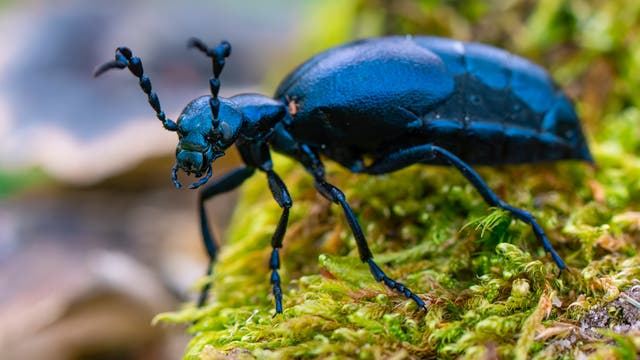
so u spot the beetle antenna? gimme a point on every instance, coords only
(217, 55)
(125, 59)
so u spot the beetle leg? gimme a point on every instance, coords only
(494, 200)
(334, 195)
(415, 154)
(224, 184)
(282, 197)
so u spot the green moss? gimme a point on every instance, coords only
(12, 182)
(490, 288)
(483, 274)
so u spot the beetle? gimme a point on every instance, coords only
(374, 106)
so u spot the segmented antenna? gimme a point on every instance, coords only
(125, 59)
(217, 55)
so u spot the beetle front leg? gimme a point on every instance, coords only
(336, 196)
(282, 197)
(224, 184)
(416, 154)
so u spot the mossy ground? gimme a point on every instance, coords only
(490, 288)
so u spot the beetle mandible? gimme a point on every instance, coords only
(394, 101)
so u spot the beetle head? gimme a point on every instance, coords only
(204, 137)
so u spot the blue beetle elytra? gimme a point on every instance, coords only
(374, 106)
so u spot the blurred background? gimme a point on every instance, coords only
(94, 238)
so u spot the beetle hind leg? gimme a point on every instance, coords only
(494, 200)
(380, 276)
(334, 195)
(417, 154)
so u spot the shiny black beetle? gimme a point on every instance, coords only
(394, 101)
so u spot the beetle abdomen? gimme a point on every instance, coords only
(504, 109)
(349, 95)
(483, 104)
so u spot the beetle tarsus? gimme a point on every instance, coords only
(277, 290)
(380, 276)
(274, 265)
(204, 294)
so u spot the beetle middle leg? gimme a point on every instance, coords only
(224, 184)
(417, 154)
(314, 166)
(334, 195)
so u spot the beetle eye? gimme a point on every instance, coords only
(569, 134)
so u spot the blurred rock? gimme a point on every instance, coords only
(81, 268)
(67, 304)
